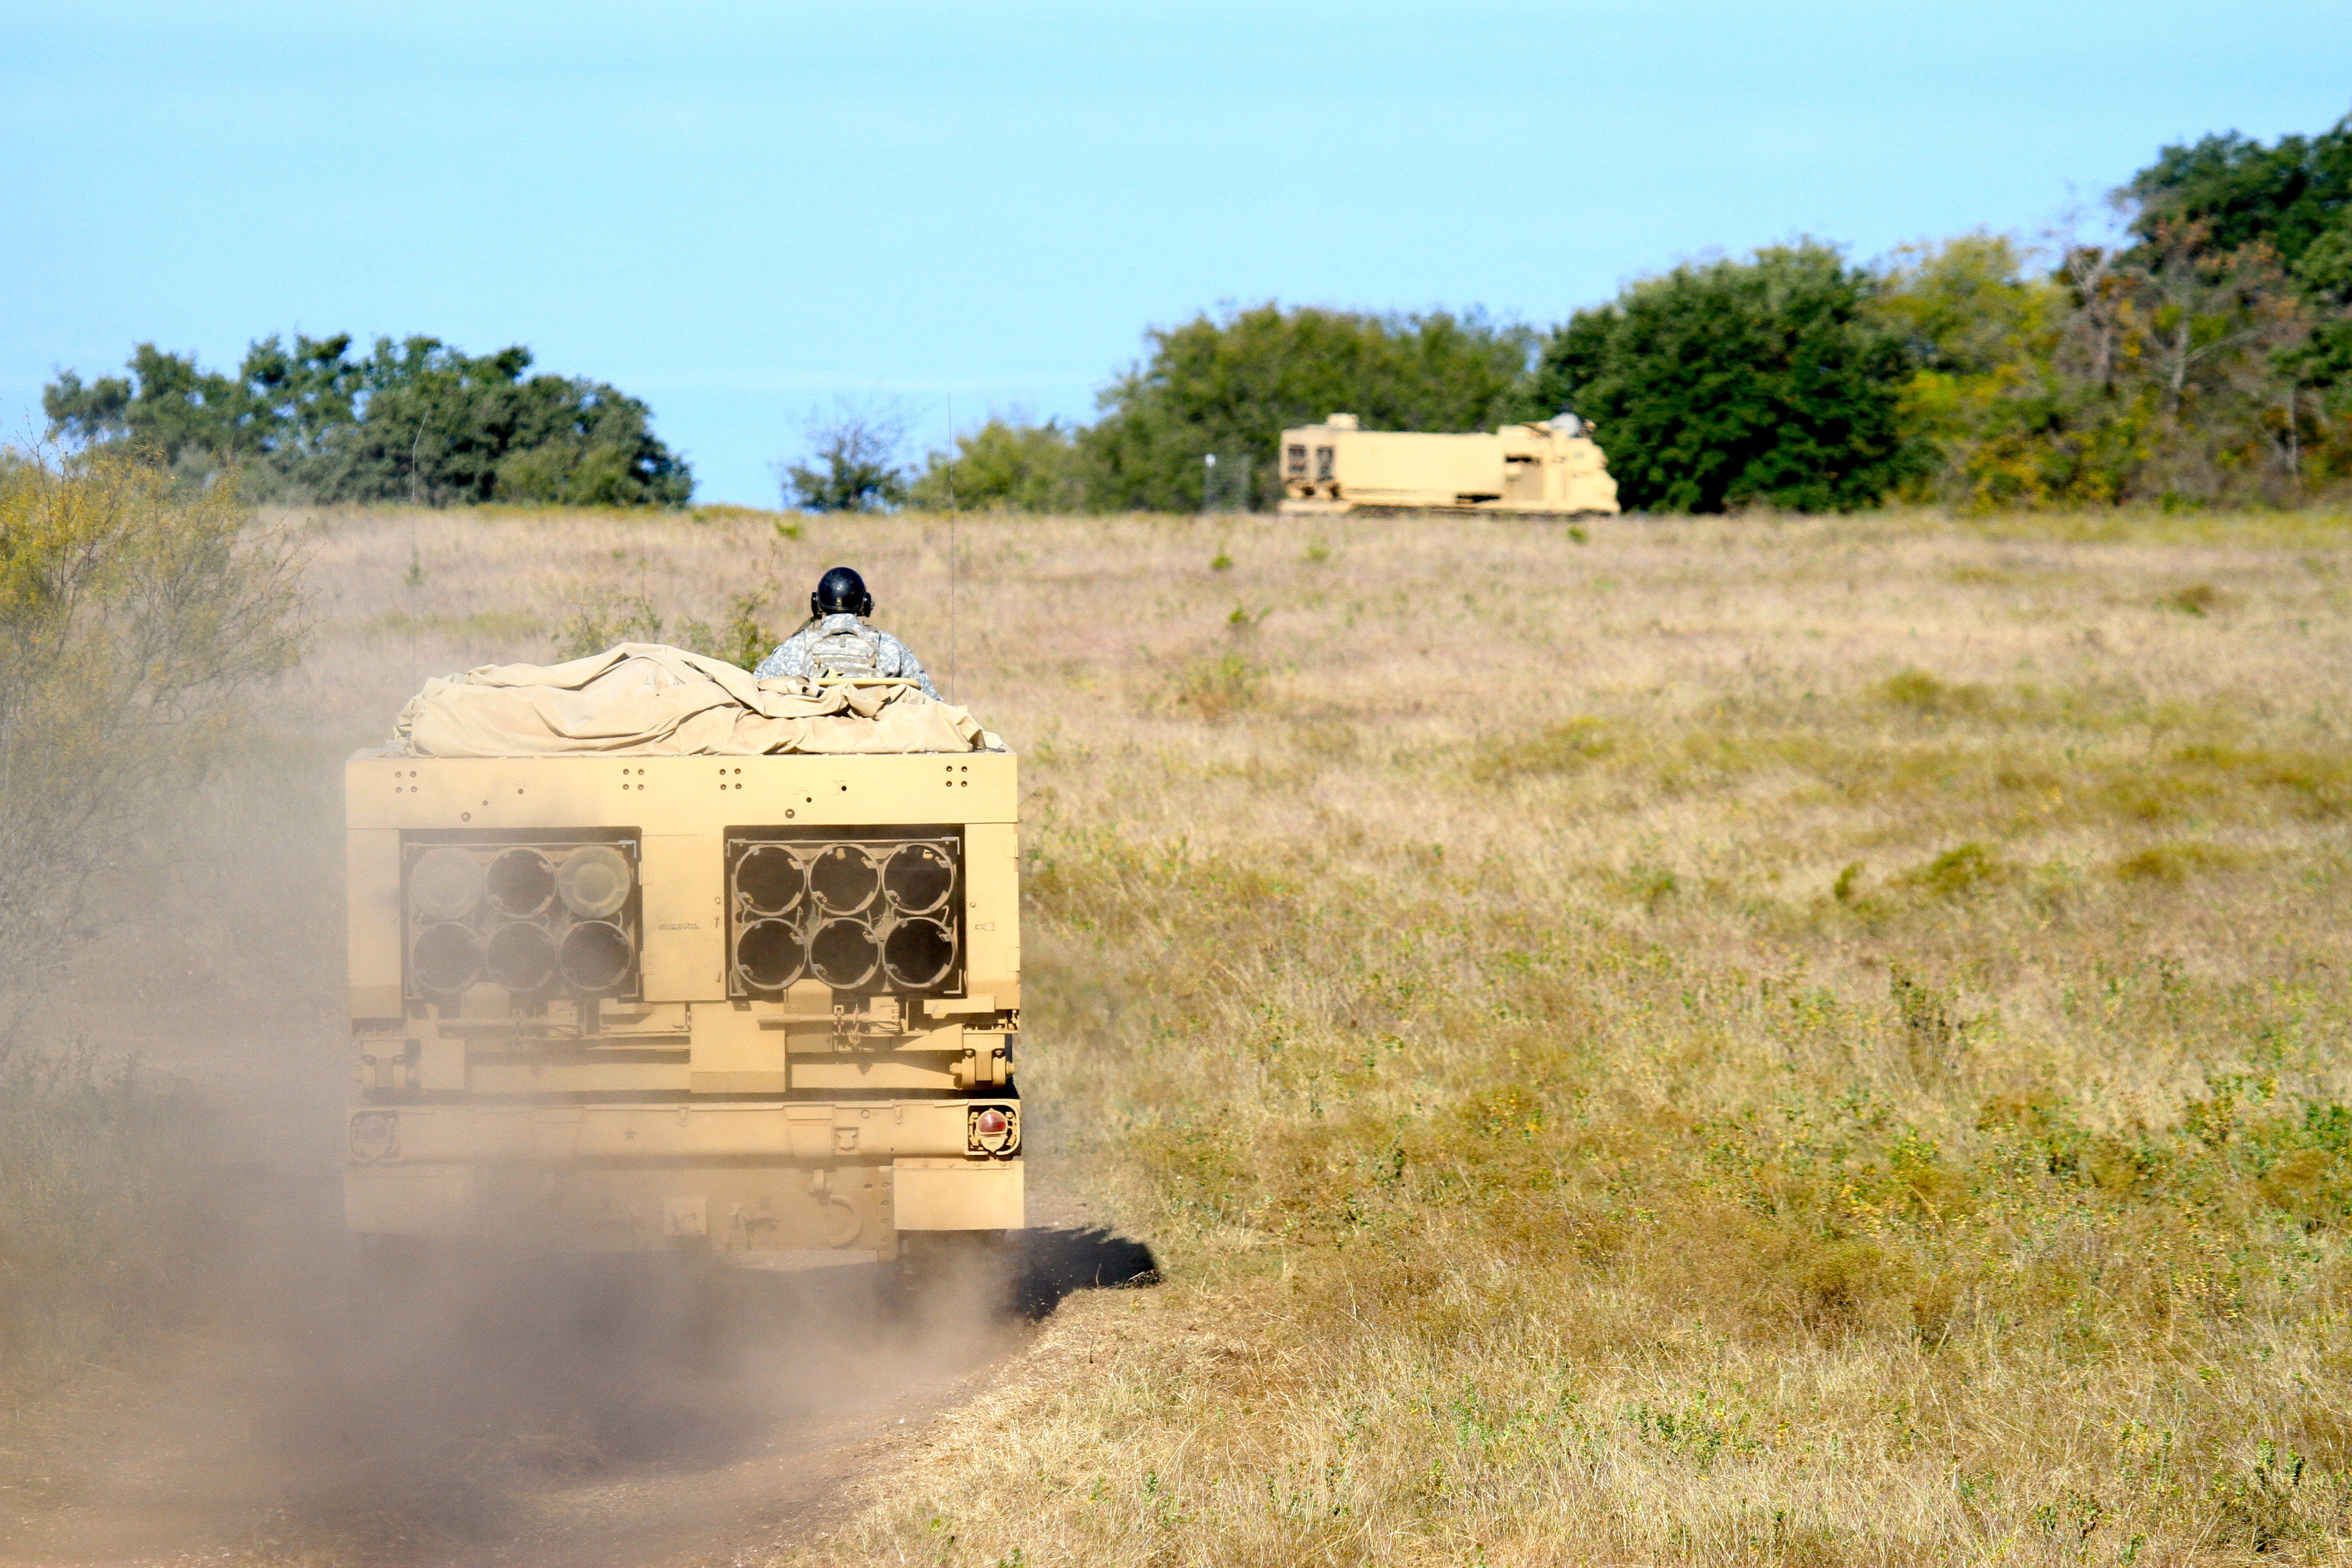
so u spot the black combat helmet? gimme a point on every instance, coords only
(841, 591)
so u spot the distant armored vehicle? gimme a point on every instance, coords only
(1549, 469)
(758, 1006)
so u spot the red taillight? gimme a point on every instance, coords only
(375, 1134)
(992, 1130)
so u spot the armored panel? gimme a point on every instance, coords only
(541, 915)
(867, 911)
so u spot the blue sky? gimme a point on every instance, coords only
(740, 213)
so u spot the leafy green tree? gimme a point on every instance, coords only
(1768, 380)
(440, 425)
(2325, 272)
(1962, 308)
(2288, 193)
(2294, 196)
(1984, 393)
(172, 412)
(2149, 374)
(1005, 467)
(414, 421)
(856, 461)
(1233, 385)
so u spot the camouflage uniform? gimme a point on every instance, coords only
(844, 646)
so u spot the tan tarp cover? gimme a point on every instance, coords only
(646, 699)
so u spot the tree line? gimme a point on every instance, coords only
(2205, 358)
(414, 421)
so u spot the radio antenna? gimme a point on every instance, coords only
(416, 580)
(951, 543)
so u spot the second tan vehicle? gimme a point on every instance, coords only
(1552, 470)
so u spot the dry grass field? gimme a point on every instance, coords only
(1752, 1040)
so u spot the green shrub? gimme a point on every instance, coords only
(134, 614)
(2176, 863)
(1963, 869)
(1921, 692)
(1557, 749)
(1215, 686)
(1005, 466)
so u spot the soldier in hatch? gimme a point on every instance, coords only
(837, 642)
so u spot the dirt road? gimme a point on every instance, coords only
(192, 1494)
(231, 1463)
(506, 1416)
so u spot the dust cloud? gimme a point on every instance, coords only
(314, 1403)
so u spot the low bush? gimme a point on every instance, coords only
(111, 1208)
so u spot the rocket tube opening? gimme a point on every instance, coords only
(845, 880)
(770, 954)
(444, 883)
(520, 881)
(770, 879)
(844, 954)
(595, 956)
(917, 954)
(593, 883)
(918, 877)
(519, 956)
(444, 958)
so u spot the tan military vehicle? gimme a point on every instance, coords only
(758, 1006)
(1549, 469)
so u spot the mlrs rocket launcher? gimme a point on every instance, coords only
(761, 1007)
